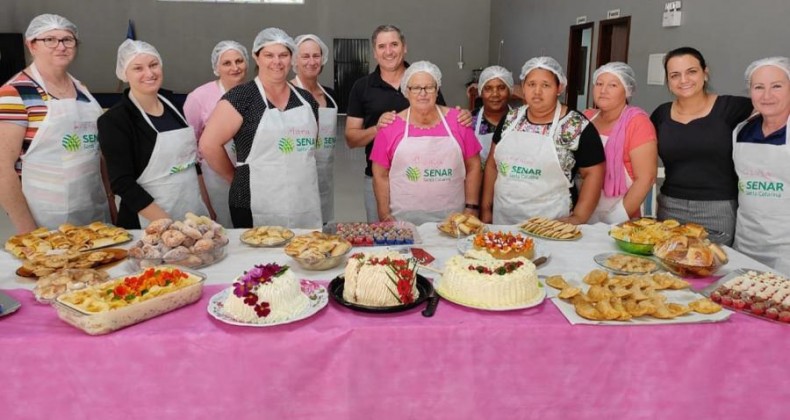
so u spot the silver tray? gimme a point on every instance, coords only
(8, 305)
(731, 275)
(331, 228)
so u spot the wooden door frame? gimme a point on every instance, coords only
(574, 39)
(605, 39)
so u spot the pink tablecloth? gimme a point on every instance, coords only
(341, 364)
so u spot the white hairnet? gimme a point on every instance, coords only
(49, 22)
(494, 72)
(223, 46)
(545, 63)
(271, 36)
(623, 71)
(418, 67)
(783, 63)
(130, 49)
(310, 37)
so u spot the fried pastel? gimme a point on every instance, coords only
(596, 277)
(569, 292)
(704, 306)
(588, 311)
(557, 282)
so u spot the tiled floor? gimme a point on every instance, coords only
(349, 166)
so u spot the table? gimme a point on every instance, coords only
(461, 363)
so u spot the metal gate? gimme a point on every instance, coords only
(352, 58)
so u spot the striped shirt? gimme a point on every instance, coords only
(23, 103)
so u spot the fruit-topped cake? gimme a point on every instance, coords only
(505, 245)
(266, 293)
(490, 283)
(380, 279)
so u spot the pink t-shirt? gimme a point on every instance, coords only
(199, 105)
(389, 137)
(638, 131)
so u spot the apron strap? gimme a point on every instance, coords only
(441, 117)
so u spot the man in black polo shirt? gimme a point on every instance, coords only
(375, 98)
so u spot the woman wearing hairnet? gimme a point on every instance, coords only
(48, 127)
(493, 86)
(311, 55)
(150, 149)
(695, 145)
(629, 140)
(274, 126)
(229, 60)
(761, 149)
(537, 150)
(425, 164)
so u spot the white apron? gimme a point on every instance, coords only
(610, 210)
(484, 139)
(530, 181)
(283, 176)
(427, 177)
(762, 228)
(170, 177)
(217, 187)
(61, 171)
(325, 155)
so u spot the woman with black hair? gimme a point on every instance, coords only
(695, 145)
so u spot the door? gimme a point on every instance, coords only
(613, 41)
(12, 56)
(351, 62)
(579, 57)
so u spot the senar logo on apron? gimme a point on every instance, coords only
(283, 174)
(61, 178)
(173, 187)
(764, 189)
(325, 155)
(531, 181)
(427, 176)
(763, 216)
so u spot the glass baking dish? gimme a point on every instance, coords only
(97, 323)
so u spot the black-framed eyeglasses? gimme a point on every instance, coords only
(52, 42)
(427, 89)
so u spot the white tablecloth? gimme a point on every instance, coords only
(565, 257)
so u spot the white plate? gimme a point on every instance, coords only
(683, 296)
(465, 244)
(600, 259)
(314, 291)
(542, 287)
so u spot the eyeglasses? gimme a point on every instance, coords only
(52, 42)
(427, 89)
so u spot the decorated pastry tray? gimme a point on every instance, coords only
(681, 297)
(53, 261)
(437, 284)
(376, 234)
(761, 294)
(553, 230)
(315, 292)
(67, 237)
(424, 289)
(98, 316)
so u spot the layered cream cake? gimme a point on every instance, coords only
(490, 283)
(266, 293)
(380, 279)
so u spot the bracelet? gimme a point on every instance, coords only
(471, 206)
